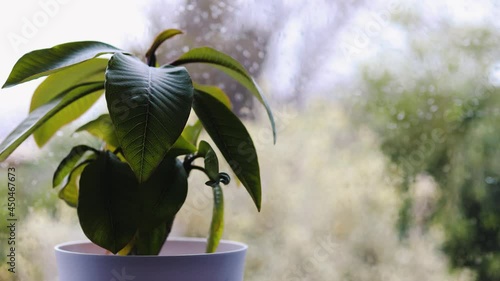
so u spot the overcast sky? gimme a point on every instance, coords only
(33, 24)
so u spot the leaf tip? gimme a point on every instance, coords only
(8, 83)
(257, 201)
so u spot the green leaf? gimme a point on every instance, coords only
(46, 61)
(217, 224)
(231, 67)
(66, 115)
(192, 132)
(107, 202)
(186, 143)
(69, 192)
(162, 37)
(215, 92)
(181, 147)
(69, 162)
(88, 71)
(163, 194)
(233, 141)
(149, 107)
(211, 161)
(103, 129)
(150, 242)
(43, 113)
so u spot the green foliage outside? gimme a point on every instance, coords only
(443, 119)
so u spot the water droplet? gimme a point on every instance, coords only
(446, 168)
(238, 97)
(392, 126)
(401, 115)
(490, 180)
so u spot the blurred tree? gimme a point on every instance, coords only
(437, 113)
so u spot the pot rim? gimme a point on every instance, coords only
(241, 247)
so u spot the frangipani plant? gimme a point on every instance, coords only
(128, 191)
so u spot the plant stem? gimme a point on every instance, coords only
(194, 167)
(152, 60)
(217, 224)
(188, 163)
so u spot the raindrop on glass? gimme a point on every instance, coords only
(401, 115)
(490, 180)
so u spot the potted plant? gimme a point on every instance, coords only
(128, 191)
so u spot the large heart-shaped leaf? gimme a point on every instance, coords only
(46, 61)
(149, 108)
(88, 71)
(151, 241)
(107, 202)
(103, 129)
(163, 194)
(69, 162)
(232, 139)
(43, 113)
(231, 67)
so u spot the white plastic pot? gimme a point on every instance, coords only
(181, 259)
